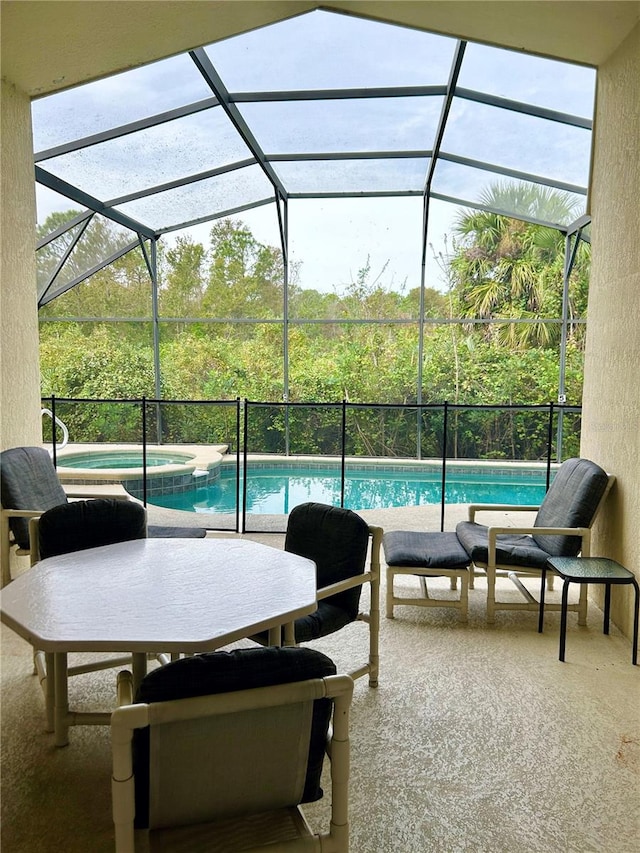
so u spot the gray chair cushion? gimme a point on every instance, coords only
(85, 524)
(336, 540)
(424, 550)
(571, 501)
(322, 622)
(511, 549)
(226, 672)
(28, 480)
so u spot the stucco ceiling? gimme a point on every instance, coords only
(53, 45)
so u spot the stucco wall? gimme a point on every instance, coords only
(19, 366)
(611, 401)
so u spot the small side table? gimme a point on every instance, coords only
(587, 570)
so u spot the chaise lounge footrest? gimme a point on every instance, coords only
(434, 554)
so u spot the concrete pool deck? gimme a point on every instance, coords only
(425, 517)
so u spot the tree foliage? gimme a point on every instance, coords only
(221, 337)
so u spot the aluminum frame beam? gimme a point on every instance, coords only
(85, 200)
(214, 81)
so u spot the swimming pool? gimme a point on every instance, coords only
(277, 489)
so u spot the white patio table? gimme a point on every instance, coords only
(151, 596)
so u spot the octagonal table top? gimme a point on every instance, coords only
(158, 595)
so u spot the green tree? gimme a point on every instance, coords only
(511, 269)
(246, 278)
(182, 279)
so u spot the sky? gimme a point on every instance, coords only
(331, 238)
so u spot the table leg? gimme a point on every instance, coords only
(61, 702)
(563, 619)
(275, 636)
(49, 690)
(290, 634)
(139, 666)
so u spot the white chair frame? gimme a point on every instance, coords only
(129, 717)
(492, 569)
(372, 618)
(461, 603)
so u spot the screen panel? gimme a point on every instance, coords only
(153, 156)
(531, 79)
(353, 176)
(361, 124)
(322, 50)
(362, 244)
(521, 142)
(206, 197)
(108, 103)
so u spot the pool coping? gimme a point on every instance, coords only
(204, 458)
(395, 464)
(207, 458)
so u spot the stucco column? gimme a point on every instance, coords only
(19, 361)
(611, 400)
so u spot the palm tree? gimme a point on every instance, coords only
(513, 269)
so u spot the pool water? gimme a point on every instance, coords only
(120, 459)
(276, 491)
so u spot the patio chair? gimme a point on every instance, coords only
(76, 526)
(337, 540)
(562, 528)
(223, 748)
(30, 486)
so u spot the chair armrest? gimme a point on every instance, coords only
(474, 508)
(6, 541)
(22, 513)
(493, 532)
(341, 586)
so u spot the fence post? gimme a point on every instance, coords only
(445, 428)
(144, 450)
(238, 464)
(244, 466)
(549, 442)
(53, 430)
(343, 461)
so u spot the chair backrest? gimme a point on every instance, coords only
(336, 540)
(573, 500)
(28, 480)
(190, 768)
(78, 525)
